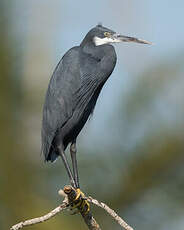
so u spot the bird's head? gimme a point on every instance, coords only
(100, 35)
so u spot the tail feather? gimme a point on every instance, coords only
(52, 156)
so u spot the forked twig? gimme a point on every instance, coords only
(41, 218)
(70, 194)
(111, 212)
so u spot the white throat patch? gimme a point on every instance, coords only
(101, 41)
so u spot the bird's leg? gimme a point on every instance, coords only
(80, 203)
(73, 151)
(66, 164)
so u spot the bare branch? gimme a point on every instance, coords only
(70, 195)
(91, 222)
(111, 212)
(40, 219)
(88, 218)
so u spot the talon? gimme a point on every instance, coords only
(85, 207)
(80, 203)
(79, 193)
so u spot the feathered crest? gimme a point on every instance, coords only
(99, 24)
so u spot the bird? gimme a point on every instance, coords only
(73, 91)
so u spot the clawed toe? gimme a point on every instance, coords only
(80, 203)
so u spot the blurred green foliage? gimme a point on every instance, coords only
(146, 177)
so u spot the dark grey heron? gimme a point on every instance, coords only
(73, 91)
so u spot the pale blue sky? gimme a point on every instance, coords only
(63, 24)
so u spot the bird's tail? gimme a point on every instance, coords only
(52, 156)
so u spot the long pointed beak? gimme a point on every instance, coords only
(122, 38)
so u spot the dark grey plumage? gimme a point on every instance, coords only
(73, 91)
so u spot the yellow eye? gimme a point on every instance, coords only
(107, 34)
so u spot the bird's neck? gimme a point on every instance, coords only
(95, 51)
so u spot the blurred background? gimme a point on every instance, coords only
(131, 152)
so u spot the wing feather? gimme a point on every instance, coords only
(59, 102)
(72, 92)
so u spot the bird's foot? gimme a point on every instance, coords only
(80, 203)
